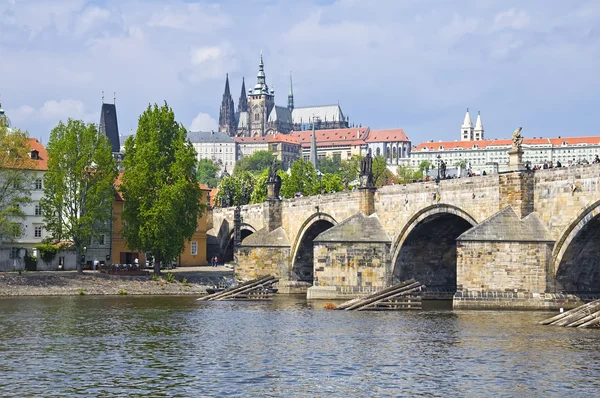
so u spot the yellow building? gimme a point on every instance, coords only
(193, 254)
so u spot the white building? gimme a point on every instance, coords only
(393, 145)
(216, 146)
(32, 227)
(486, 154)
(470, 133)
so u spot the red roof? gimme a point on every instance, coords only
(333, 137)
(39, 163)
(447, 145)
(392, 135)
(270, 138)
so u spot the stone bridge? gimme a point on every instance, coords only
(520, 239)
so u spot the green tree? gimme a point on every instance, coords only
(255, 163)
(206, 172)
(423, 167)
(162, 197)
(330, 165)
(240, 185)
(15, 180)
(259, 194)
(380, 171)
(331, 183)
(461, 163)
(303, 179)
(78, 186)
(406, 175)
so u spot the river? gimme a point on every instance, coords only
(179, 347)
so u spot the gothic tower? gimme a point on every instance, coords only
(227, 112)
(243, 102)
(291, 96)
(478, 132)
(466, 130)
(260, 103)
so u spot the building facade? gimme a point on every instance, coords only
(394, 145)
(285, 148)
(257, 114)
(215, 145)
(493, 154)
(340, 143)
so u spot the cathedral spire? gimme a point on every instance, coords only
(227, 111)
(243, 102)
(478, 132)
(261, 81)
(291, 95)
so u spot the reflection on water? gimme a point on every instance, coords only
(176, 346)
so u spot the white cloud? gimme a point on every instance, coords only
(210, 62)
(459, 27)
(53, 111)
(90, 18)
(511, 19)
(190, 18)
(203, 122)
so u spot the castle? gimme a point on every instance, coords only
(257, 115)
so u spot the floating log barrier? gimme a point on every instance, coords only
(256, 289)
(402, 296)
(584, 316)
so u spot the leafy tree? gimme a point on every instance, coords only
(330, 165)
(406, 175)
(206, 172)
(240, 185)
(303, 179)
(259, 194)
(162, 197)
(78, 186)
(380, 171)
(423, 166)
(255, 163)
(331, 183)
(15, 180)
(461, 163)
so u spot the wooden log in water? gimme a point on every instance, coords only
(585, 319)
(352, 302)
(565, 314)
(248, 289)
(592, 323)
(584, 311)
(404, 289)
(237, 288)
(385, 299)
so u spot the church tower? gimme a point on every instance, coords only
(466, 133)
(243, 102)
(291, 96)
(260, 103)
(478, 132)
(227, 112)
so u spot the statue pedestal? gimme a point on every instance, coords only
(515, 160)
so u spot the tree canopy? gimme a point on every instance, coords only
(15, 180)
(79, 184)
(255, 163)
(206, 172)
(162, 197)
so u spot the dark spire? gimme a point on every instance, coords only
(227, 111)
(243, 102)
(109, 125)
(291, 95)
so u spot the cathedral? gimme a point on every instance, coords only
(257, 115)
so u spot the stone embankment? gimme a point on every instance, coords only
(56, 283)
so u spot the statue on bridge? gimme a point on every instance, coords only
(517, 139)
(274, 180)
(366, 172)
(442, 170)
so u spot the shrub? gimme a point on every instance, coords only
(81, 292)
(170, 277)
(122, 292)
(47, 252)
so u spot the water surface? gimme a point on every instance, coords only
(176, 346)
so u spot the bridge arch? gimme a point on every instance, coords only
(302, 248)
(575, 265)
(227, 250)
(425, 248)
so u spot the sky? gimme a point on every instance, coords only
(411, 64)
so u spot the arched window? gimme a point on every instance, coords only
(394, 153)
(378, 152)
(257, 116)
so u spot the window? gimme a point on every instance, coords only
(37, 232)
(38, 210)
(101, 240)
(256, 116)
(16, 230)
(14, 252)
(38, 184)
(194, 247)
